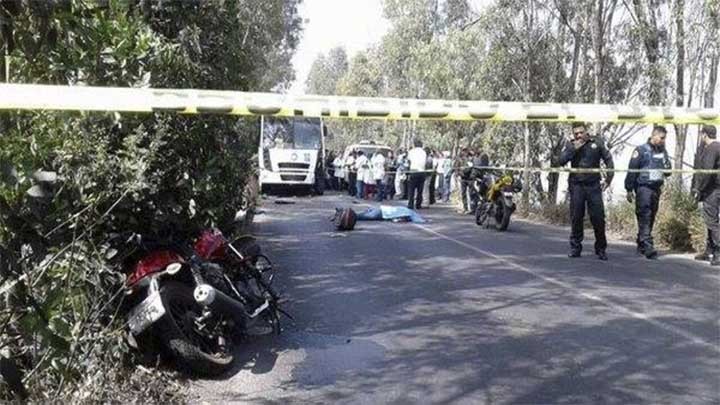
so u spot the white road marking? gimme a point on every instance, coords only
(619, 308)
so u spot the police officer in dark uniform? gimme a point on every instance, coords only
(586, 152)
(645, 187)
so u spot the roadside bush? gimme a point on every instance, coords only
(69, 179)
(621, 220)
(679, 225)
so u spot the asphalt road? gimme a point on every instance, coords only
(447, 312)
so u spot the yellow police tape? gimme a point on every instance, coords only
(146, 100)
(565, 170)
(601, 170)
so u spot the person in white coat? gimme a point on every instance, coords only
(378, 173)
(444, 169)
(362, 169)
(402, 165)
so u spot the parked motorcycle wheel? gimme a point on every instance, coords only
(480, 215)
(178, 333)
(502, 217)
(265, 267)
(271, 316)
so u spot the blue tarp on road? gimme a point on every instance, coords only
(390, 213)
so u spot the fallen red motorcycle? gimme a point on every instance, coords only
(198, 300)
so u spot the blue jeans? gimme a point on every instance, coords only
(380, 190)
(359, 189)
(446, 180)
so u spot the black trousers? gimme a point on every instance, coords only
(351, 184)
(464, 186)
(647, 201)
(588, 195)
(416, 182)
(431, 189)
(711, 210)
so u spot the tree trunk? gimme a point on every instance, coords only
(680, 130)
(526, 173)
(709, 101)
(529, 25)
(598, 36)
(554, 178)
(577, 47)
(651, 42)
(709, 96)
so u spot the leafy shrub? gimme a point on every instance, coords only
(620, 218)
(679, 225)
(60, 320)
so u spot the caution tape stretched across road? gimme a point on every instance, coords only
(186, 101)
(601, 170)
(566, 170)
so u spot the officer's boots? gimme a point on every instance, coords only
(705, 256)
(716, 258)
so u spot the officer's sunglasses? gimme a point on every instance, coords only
(578, 133)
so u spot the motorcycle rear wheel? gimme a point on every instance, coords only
(192, 352)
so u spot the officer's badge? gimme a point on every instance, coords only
(635, 155)
(594, 146)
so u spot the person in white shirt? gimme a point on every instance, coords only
(362, 167)
(378, 173)
(400, 176)
(416, 179)
(444, 170)
(339, 172)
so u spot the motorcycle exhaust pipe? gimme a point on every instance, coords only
(216, 300)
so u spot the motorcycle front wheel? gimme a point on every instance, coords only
(503, 216)
(480, 214)
(192, 351)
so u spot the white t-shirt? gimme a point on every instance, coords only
(338, 163)
(349, 166)
(418, 159)
(439, 162)
(447, 166)
(362, 167)
(378, 166)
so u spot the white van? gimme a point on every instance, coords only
(291, 152)
(369, 148)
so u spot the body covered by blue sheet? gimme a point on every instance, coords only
(390, 213)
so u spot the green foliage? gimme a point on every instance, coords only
(119, 172)
(326, 72)
(621, 221)
(679, 223)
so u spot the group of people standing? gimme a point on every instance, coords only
(422, 171)
(643, 186)
(361, 175)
